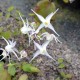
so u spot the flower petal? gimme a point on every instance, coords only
(48, 18)
(52, 28)
(15, 54)
(21, 18)
(49, 56)
(35, 55)
(37, 45)
(16, 50)
(56, 38)
(45, 44)
(40, 27)
(27, 22)
(39, 16)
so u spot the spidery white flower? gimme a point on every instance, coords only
(41, 50)
(26, 28)
(4, 54)
(50, 37)
(10, 48)
(45, 22)
(32, 35)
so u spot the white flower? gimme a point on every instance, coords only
(4, 54)
(23, 54)
(50, 37)
(32, 33)
(26, 28)
(45, 22)
(10, 48)
(42, 50)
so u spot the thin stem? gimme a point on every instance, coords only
(5, 40)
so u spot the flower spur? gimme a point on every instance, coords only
(10, 48)
(41, 50)
(27, 29)
(50, 37)
(45, 22)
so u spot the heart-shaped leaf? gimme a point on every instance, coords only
(44, 8)
(60, 60)
(11, 70)
(61, 66)
(29, 68)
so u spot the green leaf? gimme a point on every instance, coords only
(1, 66)
(6, 34)
(61, 66)
(63, 74)
(29, 68)
(31, 14)
(1, 14)
(44, 8)
(57, 78)
(8, 15)
(60, 60)
(1, 29)
(23, 77)
(66, 1)
(11, 70)
(68, 76)
(11, 8)
(16, 32)
(4, 75)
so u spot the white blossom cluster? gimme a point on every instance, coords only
(30, 30)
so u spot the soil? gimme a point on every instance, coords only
(67, 24)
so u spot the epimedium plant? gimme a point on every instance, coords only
(12, 69)
(32, 30)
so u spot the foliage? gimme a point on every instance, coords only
(61, 64)
(4, 75)
(29, 68)
(11, 8)
(23, 77)
(1, 66)
(60, 60)
(58, 78)
(11, 70)
(66, 1)
(6, 34)
(41, 6)
(66, 76)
